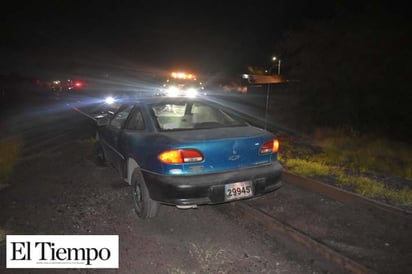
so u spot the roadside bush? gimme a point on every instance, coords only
(9, 152)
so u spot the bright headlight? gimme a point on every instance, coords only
(109, 100)
(192, 92)
(172, 91)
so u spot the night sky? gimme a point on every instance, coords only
(206, 36)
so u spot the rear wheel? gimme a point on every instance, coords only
(144, 206)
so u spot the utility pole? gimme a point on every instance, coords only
(279, 67)
(274, 58)
(267, 106)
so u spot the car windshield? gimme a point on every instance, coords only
(192, 115)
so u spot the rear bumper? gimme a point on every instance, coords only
(210, 188)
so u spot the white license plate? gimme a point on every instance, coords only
(238, 190)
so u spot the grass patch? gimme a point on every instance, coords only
(3, 234)
(9, 152)
(353, 161)
(90, 141)
(307, 168)
(373, 189)
(365, 153)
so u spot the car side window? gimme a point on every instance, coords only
(120, 117)
(135, 121)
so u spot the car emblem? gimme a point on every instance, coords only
(234, 157)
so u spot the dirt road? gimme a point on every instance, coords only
(56, 188)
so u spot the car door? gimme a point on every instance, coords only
(131, 135)
(112, 136)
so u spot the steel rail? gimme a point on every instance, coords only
(276, 226)
(341, 194)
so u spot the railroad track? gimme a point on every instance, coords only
(343, 195)
(351, 257)
(341, 251)
(344, 252)
(274, 226)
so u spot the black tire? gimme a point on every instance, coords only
(144, 206)
(100, 158)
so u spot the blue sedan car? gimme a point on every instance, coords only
(187, 152)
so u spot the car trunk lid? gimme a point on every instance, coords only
(223, 148)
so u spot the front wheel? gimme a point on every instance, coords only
(144, 206)
(100, 157)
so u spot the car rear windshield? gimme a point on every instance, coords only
(192, 115)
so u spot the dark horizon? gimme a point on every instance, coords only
(74, 37)
(211, 37)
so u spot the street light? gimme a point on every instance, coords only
(274, 58)
(267, 92)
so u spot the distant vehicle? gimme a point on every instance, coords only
(186, 152)
(74, 85)
(113, 100)
(119, 95)
(66, 86)
(182, 84)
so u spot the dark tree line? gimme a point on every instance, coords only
(353, 70)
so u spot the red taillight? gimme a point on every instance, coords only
(181, 156)
(271, 146)
(78, 84)
(191, 155)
